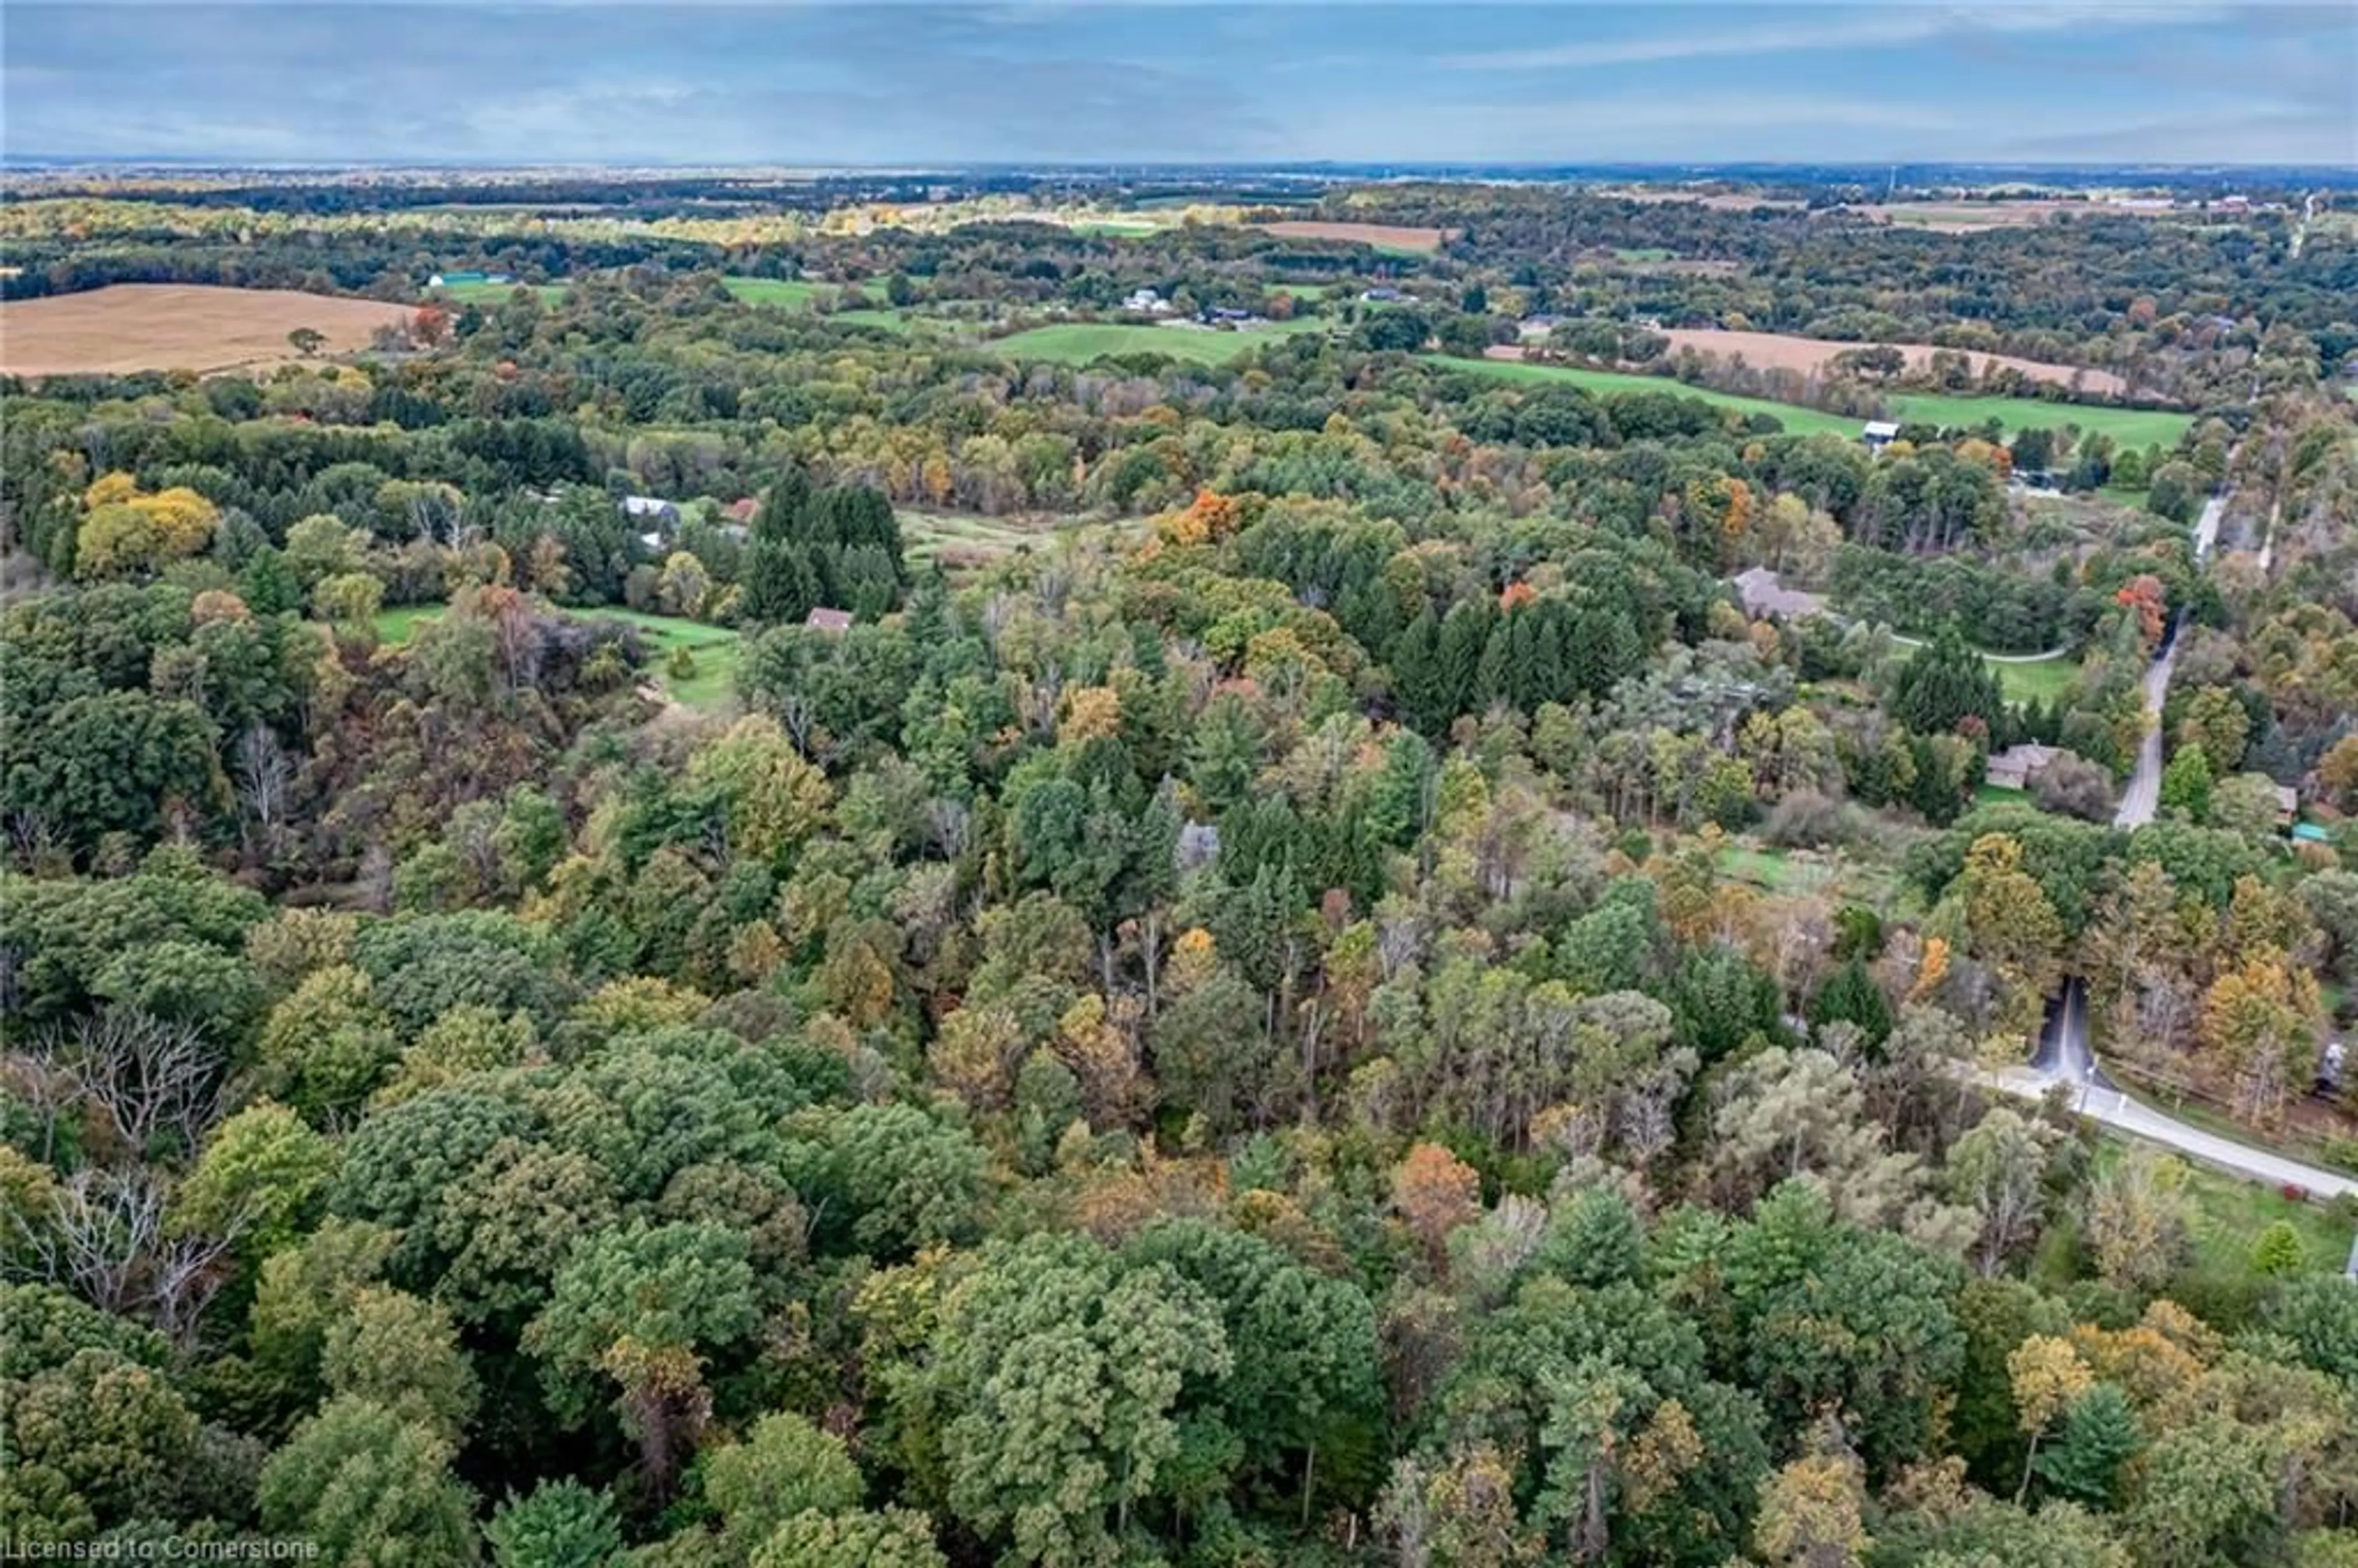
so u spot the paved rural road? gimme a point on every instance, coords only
(2142, 797)
(2064, 1058)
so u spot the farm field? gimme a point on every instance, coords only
(176, 326)
(800, 294)
(1782, 351)
(1397, 237)
(1801, 421)
(716, 649)
(1079, 343)
(499, 293)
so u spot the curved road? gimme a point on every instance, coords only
(2141, 796)
(2064, 1058)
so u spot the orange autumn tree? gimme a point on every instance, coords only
(1434, 1192)
(1211, 517)
(2143, 594)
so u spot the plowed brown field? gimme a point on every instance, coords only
(174, 326)
(1778, 351)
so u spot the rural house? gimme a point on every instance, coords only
(2015, 767)
(830, 622)
(1763, 595)
(1879, 434)
(651, 509)
(1148, 302)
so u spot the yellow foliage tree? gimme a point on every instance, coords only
(1091, 713)
(2047, 1378)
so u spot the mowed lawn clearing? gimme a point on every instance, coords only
(1080, 342)
(715, 649)
(2039, 680)
(178, 326)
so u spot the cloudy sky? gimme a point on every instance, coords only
(559, 81)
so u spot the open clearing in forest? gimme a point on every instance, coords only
(1079, 342)
(715, 649)
(1400, 237)
(1782, 351)
(177, 326)
(965, 541)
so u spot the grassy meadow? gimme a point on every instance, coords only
(1080, 342)
(716, 649)
(2126, 427)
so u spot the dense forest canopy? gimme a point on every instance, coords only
(671, 926)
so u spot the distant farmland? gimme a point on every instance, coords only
(177, 326)
(1079, 343)
(482, 291)
(1780, 351)
(1383, 236)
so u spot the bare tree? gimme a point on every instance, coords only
(264, 775)
(150, 1079)
(107, 1238)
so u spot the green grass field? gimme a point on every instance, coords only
(1801, 421)
(2129, 426)
(1079, 342)
(2042, 681)
(716, 649)
(793, 293)
(500, 292)
(1119, 228)
(885, 316)
(2126, 427)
